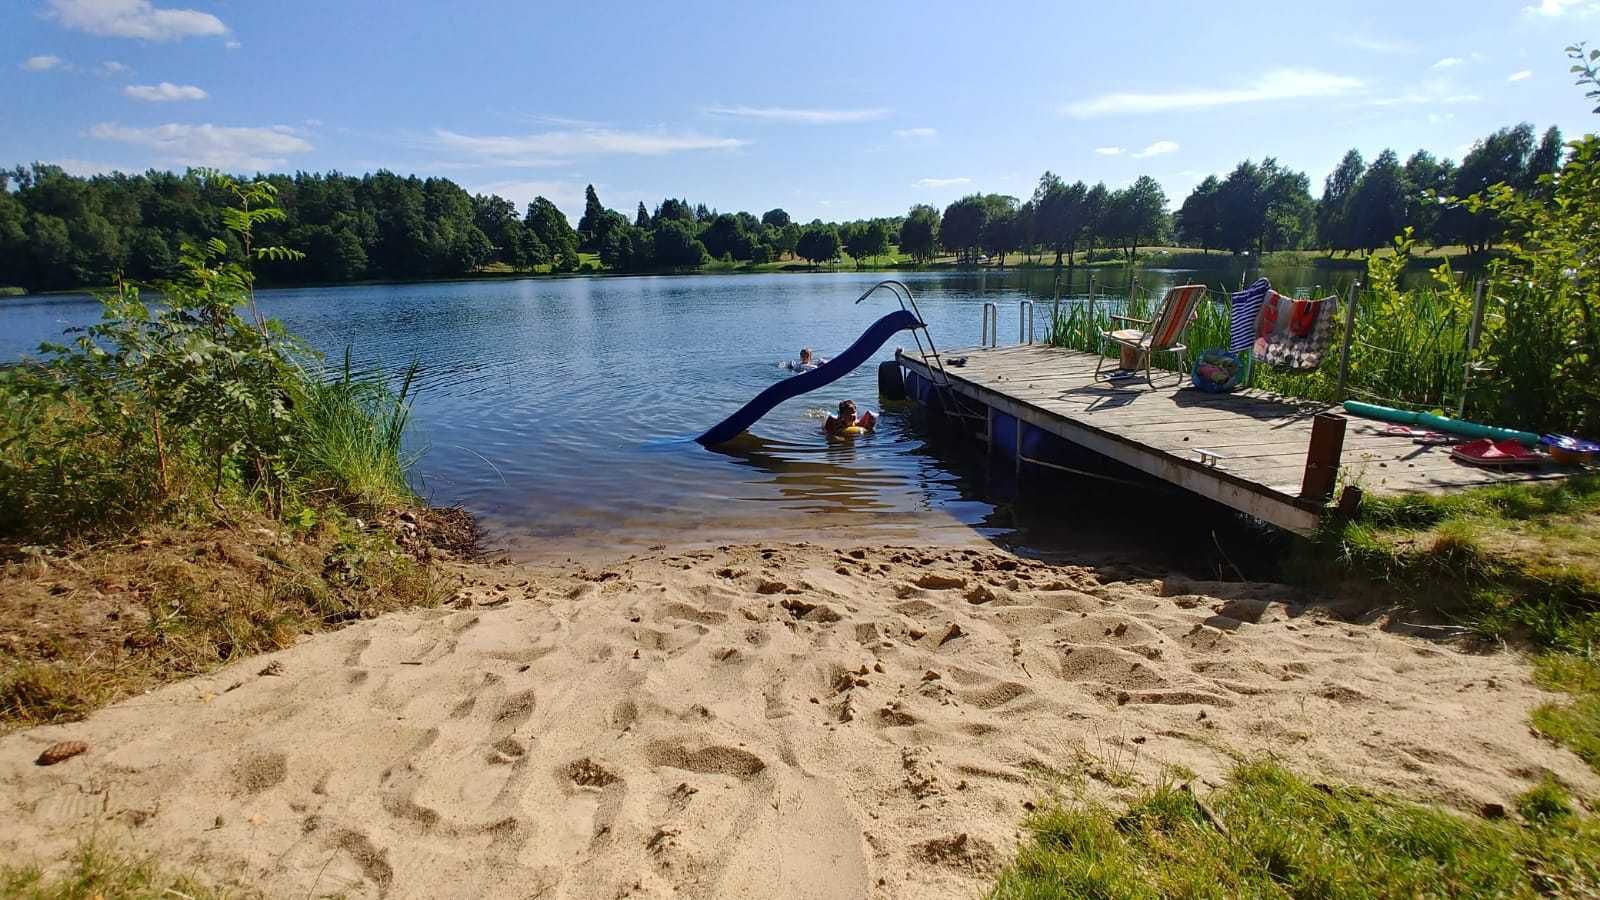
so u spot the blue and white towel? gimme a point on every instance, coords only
(1246, 306)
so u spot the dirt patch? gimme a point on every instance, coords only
(86, 624)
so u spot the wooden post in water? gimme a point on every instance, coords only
(1349, 335)
(1473, 334)
(1322, 457)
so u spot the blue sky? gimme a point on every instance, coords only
(832, 110)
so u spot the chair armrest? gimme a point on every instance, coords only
(1131, 319)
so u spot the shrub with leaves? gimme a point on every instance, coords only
(199, 396)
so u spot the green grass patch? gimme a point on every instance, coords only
(1268, 833)
(95, 872)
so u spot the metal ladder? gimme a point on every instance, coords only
(953, 402)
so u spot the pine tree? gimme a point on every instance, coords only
(590, 225)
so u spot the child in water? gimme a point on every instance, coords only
(847, 417)
(806, 363)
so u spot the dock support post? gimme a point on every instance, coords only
(1473, 334)
(1322, 457)
(1349, 336)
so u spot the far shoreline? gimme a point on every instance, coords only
(1174, 257)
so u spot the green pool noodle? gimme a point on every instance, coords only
(1439, 423)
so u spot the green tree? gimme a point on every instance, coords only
(641, 218)
(626, 249)
(1242, 208)
(150, 257)
(591, 224)
(675, 245)
(725, 235)
(1199, 218)
(1378, 206)
(1001, 232)
(1136, 213)
(867, 240)
(1500, 158)
(919, 234)
(818, 243)
(1060, 212)
(786, 240)
(1290, 211)
(1545, 160)
(1427, 179)
(775, 218)
(549, 224)
(1333, 221)
(961, 227)
(1096, 204)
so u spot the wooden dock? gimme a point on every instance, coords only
(1255, 445)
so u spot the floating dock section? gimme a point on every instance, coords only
(1276, 459)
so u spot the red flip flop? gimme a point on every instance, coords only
(1484, 452)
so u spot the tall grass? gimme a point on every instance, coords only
(349, 437)
(1409, 348)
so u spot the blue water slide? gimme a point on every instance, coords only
(805, 382)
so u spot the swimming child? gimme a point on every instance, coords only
(806, 363)
(847, 418)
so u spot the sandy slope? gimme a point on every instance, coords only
(788, 721)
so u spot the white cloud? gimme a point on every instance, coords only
(1108, 151)
(1281, 84)
(164, 92)
(135, 19)
(940, 182)
(224, 147)
(1557, 8)
(556, 147)
(798, 116)
(42, 63)
(1448, 62)
(1157, 149)
(233, 45)
(1434, 91)
(916, 134)
(1440, 118)
(112, 67)
(1523, 75)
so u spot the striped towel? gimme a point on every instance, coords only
(1246, 307)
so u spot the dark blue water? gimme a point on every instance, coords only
(561, 411)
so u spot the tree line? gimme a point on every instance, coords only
(61, 231)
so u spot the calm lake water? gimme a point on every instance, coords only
(562, 411)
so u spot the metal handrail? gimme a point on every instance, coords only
(990, 337)
(1025, 321)
(902, 295)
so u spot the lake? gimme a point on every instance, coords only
(561, 411)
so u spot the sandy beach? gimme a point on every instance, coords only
(758, 721)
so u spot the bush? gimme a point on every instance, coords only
(156, 407)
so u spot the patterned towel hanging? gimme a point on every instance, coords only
(1294, 334)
